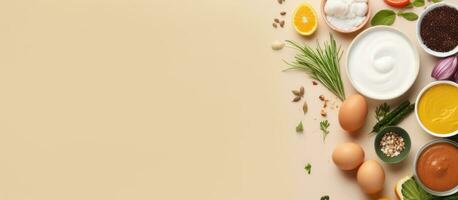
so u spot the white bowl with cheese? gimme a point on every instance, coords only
(382, 63)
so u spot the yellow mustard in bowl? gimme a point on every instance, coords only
(438, 108)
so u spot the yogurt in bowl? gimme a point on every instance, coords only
(382, 63)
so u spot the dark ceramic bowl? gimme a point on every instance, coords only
(404, 153)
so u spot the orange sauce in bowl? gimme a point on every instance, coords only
(437, 167)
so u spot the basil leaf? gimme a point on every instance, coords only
(436, 1)
(409, 16)
(383, 17)
(410, 5)
(418, 3)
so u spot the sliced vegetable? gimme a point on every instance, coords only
(397, 3)
(390, 116)
(399, 117)
(445, 68)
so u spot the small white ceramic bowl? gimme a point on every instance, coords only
(420, 40)
(419, 152)
(416, 108)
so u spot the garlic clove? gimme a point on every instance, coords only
(445, 68)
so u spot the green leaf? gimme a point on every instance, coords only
(412, 191)
(411, 16)
(436, 1)
(326, 197)
(410, 5)
(308, 168)
(418, 3)
(300, 128)
(324, 125)
(384, 17)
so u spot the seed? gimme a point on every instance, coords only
(274, 25)
(283, 13)
(321, 97)
(276, 20)
(277, 45)
(282, 23)
(323, 113)
(301, 91)
(297, 93)
(305, 107)
(314, 83)
(296, 99)
(280, 1)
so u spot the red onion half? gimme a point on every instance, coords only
(445, 68)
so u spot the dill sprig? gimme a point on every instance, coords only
(321, 64)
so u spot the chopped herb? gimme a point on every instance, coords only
(324, 125)
(300, 128)
(381, 111)
(326, 197)
(308, 168)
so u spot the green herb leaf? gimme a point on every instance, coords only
(411, 16)
(436, 1)
(326, 197)
(308, 168)
(324, 125)
(410, 5)
(381, 111)
(418, 3)
(300, 128)
(384, 17)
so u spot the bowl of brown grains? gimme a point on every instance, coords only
(437, 29)
(392, 144)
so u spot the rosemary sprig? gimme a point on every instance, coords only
(321, 64)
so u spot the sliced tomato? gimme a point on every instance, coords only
(397, 3)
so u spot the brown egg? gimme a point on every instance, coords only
(371, 177)
(352, 113)
(348, 156)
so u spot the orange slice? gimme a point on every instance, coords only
(305, 20)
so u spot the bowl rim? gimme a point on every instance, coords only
(419, 152)
(420, 94)
(404, 135)
(359, 27)
(377, 28)
(420, 40)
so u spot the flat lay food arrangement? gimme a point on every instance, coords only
(382, 64)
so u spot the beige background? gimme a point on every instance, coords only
(149, 99)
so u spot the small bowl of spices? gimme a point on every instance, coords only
(392, 144)
(437, 29)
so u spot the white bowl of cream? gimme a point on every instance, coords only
(382, 63)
